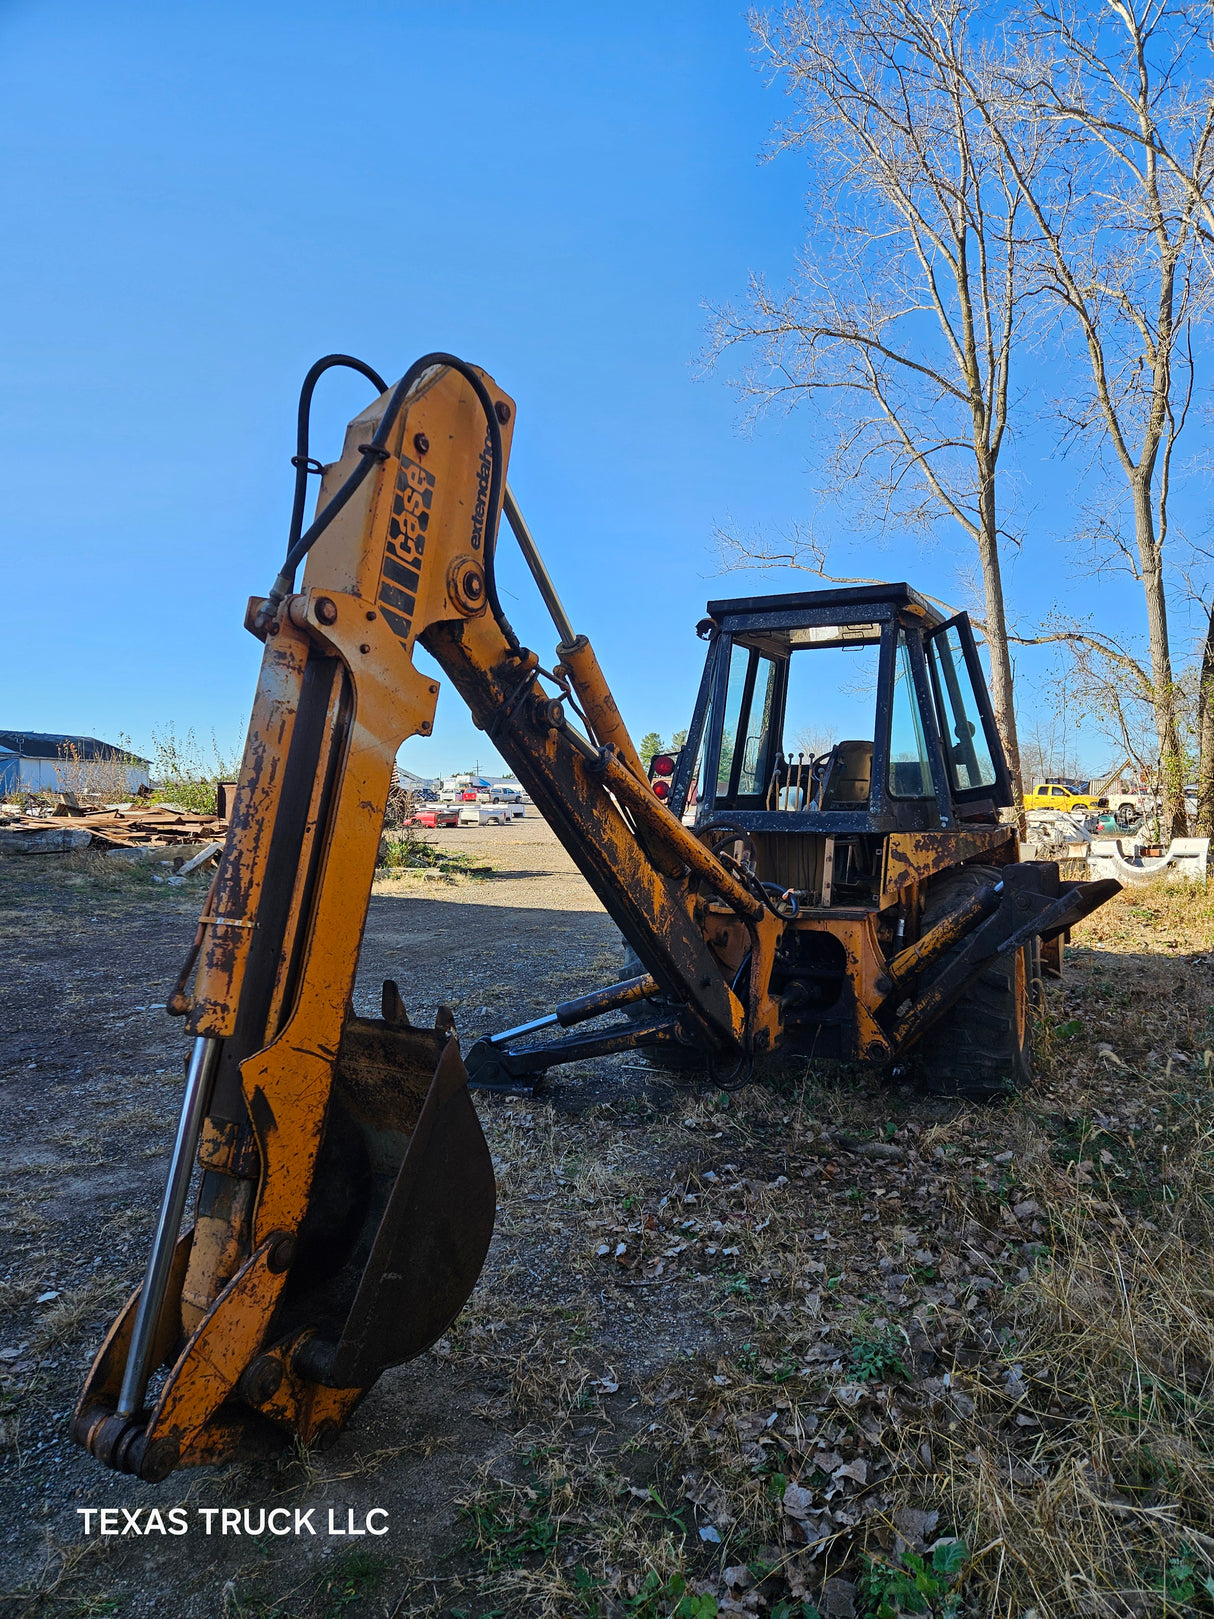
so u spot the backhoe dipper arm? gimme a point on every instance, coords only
(346, 1196)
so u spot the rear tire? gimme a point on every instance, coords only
(982, 1047)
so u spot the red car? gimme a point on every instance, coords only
(439, 815)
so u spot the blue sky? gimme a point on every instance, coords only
(200, 201)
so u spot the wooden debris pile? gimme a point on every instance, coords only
(110, 827)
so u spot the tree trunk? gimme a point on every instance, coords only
(996, 638)
(1173, 820)
(1204, 827)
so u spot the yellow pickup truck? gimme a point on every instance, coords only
(1052, 795)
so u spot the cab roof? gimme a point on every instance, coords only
(842, 605)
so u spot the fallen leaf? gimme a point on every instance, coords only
(915, 1524)
(838, 1599)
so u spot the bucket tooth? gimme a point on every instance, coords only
(392, 1007)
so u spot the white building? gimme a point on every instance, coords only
(49, 762)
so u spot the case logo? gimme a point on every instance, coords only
(401, 571)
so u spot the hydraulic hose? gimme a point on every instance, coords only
(299, 544)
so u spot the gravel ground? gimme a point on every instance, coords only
(89, 1089)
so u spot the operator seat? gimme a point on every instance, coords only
(849, 776)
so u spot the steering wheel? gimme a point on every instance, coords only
(717, 837)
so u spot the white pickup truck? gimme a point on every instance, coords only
(490, 814)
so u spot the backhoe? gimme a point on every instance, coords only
(861, 898)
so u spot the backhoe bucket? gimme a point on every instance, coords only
(398, 1223)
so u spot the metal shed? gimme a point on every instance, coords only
(51, 762)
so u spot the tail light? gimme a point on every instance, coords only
(661, 769)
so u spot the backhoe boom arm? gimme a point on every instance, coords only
(346, 1195)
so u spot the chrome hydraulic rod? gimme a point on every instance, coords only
(504, 1035)
(539, 572)
(199, 1078)
(593, 1005)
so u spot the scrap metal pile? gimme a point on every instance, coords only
(1092, 846)
(108, 827)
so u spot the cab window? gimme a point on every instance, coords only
(746, 729)
(832, 696)
(965, 748)
(910, 774)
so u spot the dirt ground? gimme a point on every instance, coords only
(750, 1353)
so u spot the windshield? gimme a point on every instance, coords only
(825, 691)
(832, 698)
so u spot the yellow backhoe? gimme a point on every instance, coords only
(866, 901)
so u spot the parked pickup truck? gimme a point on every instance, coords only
(1050, 795)
(490, 814)
(440, 815)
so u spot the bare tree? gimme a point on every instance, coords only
(1204, 825)
(1105, 682)
(1194, 577)
(1120, 211)
(912, 292)
(1046, 746)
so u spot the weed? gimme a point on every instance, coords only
(510, 1525)
(877, 1357)
(1181, 1580)
(184, 774)
(916, 1585)
(106, 778)
(409, 850)
(671, 1517)
(670, 1599)
(348, 1580)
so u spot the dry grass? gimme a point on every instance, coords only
(93, 868)
(991, 1325)
(75, 1310)
(16, 1295)
(94, 780)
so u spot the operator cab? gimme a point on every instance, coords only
(847, 713)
